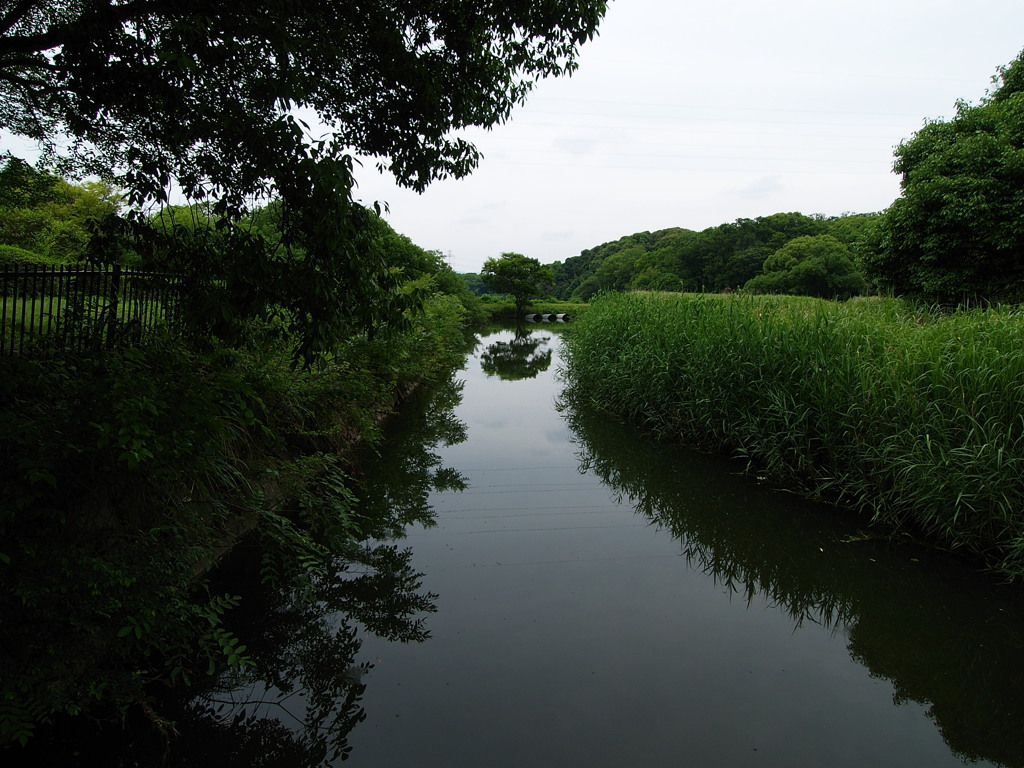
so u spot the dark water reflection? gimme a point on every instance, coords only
(523, 356)
(296, 705)
(603, 601)
(944, 637)
(546, 587)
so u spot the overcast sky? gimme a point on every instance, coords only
(692, 113)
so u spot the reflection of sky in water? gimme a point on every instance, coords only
(572, 631)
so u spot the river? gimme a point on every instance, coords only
(546, 587)
(604, 601)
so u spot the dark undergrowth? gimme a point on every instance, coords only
(125, 476)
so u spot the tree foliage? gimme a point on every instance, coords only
(209, 98)
(517, 275)
(720, 258)
(428, 271)
(955, 233)
(474, 283)
(47, 217)
(812, 265)
(205, 93)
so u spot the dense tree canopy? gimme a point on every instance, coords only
(812, 265)
(956, 231)
(474, 283)
(517, 275)
(716, 259)
(46, 220)
(207, 96)
(204, 92)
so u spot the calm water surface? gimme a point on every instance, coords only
(605, 602)
(555, 590)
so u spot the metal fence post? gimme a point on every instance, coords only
(114, 296)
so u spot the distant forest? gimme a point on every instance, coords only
(780, 253)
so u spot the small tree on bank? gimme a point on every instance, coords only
(517, 275)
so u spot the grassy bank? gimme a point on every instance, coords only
(505, 311)
(914, 418)
(124, 476)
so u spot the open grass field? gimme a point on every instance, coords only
(911, 416)
(75, 309)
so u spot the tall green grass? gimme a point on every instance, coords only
(914, 417)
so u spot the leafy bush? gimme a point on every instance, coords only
(13, 256)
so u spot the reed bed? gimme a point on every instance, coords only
(912, 416)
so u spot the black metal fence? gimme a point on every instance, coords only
(83, 307)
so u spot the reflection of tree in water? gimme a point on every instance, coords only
(298, 702)
(301, 621)
(746, 551)
(942, 636)
(295, 706)
(302, 701)
(517, 359)
(395, 489)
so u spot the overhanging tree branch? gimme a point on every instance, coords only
(188, 92)
(107, 18)
(15, 15)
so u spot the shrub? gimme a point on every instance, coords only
(13, 256)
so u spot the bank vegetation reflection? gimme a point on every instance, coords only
(303, 699)
(295, 705)
(954, 647)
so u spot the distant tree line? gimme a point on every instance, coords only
(46, 220)
(954, 235)
(781, 253)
